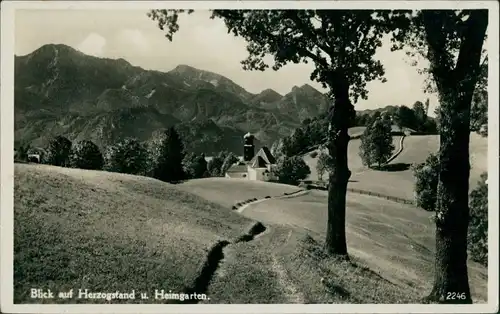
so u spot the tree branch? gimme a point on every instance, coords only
(437, 55)
(471, 46)
(314, 37)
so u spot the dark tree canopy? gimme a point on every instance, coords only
(167, 154)
(58, 151)
(86, 155)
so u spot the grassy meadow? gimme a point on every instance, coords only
(399, 182)
(107, 231)
(396, 241)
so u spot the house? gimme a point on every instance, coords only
(253, 166)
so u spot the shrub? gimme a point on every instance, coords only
(127, 156)
(234, 207)
(22, 152)
(313, 154)
(290, 170)
(268, 196)
(195, 166)
(426, 182)
(229, 160)
(477, 240)
(166, 153)
(86, 155)
(323, 164)
(58, 152)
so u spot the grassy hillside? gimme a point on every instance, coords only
(416, 149)
(355, 163)
(107, 232)
(400, 183)
(394, 240)
(110, 231)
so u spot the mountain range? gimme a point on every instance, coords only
(61, 91)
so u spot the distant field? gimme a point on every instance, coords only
(401, 183)
(107, 231)
(227, 192)
(416, 149)
(394, 240)
(355, 163)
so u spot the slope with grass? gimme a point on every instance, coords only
(394, 240)
(107, 231)
(400, 182)
(397, 180)
(355, 163)
(114, 232)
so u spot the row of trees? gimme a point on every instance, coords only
(341, 46)
(313, 130)
(415, 118)
(163, 158)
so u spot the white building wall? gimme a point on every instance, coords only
(252, 174)
(239, 175)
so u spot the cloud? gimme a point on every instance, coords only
(133, 40)
(93, 45)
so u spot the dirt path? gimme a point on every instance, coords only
(294, 194)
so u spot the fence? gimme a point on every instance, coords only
(364, 192)
(387, 197)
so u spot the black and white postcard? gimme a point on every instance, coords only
(249, 156)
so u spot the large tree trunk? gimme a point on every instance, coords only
(455, 87)
(341, 116)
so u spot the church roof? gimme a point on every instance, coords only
(258, 162)
(262, 158)
(238, 167)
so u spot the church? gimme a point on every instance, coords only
(253, 166)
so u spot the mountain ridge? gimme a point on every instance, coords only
(60, 90)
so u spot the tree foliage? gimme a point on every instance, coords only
(479, 106)
(323, 164)
(127, 156)
(166, 156)
(478, 227)
(229, 160)
(194, 165)
(220, 163)
(86, 155)
(22, 151)
(420, 115)
(376, 143)
(290, 170)
(426, 181)
(58, 151)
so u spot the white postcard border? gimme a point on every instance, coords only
(8, 9)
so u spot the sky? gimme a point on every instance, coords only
(202, 43)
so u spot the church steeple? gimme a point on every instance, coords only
(248, 147)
